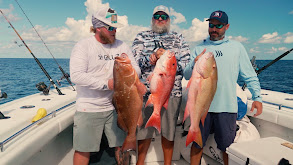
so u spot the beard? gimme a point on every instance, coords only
(106, 38)
(215, 36)
(161, 28)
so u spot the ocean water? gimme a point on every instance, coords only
(19, 76)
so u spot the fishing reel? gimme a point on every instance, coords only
(41, 86)
(3, 95)
(254, 64)
(65, 76)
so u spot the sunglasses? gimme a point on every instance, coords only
(218, 26)
(163, 16)
(110, 28)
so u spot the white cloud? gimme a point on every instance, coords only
(272, 50)
(197, 32)
(8, 13)
(179, 18)
(254, 50)
(270, 38)
(283, 49)
(288, 38)
(239, 38)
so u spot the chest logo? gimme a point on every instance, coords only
(218, 53)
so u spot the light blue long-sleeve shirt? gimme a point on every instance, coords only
(232, 60)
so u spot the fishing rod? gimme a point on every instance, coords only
(39, 63)
(65, 75)
(258, 71)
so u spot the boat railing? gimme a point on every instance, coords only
(48, 116)
(280, 106)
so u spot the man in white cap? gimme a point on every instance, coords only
(91, 67)
(146, 48)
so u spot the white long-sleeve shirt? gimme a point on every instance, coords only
(91, 66)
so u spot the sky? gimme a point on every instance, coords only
(264, 27)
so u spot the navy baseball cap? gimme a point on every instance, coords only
(220, 16)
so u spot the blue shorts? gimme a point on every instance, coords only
(223, 125)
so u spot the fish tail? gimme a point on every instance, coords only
(194, 136)
(154, 121)
(129, 144)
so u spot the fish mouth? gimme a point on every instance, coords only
(123, 58)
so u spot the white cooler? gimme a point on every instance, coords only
(264, 151)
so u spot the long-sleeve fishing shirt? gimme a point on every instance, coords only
(91, 66)
(232, 60)
(144, 45)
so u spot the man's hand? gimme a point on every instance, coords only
(258, 106)
(156, 55)
(111, 84)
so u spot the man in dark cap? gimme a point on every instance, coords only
(232, 60)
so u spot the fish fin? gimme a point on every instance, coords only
(154, 121)
(140, 87)
(120, 122)
(194, 136)
(149, 78)
(140, 120)
(189, 82)
(186, 113)
(203, 118)
(166, 103)
(150, 100)
(129, 144)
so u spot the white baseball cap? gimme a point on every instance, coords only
(161, 8)
(108, 16)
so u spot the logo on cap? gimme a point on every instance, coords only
(217, 14)
(111, 13)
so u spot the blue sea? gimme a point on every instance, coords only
(19, 76)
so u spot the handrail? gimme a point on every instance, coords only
(275, 104)
(52, 114)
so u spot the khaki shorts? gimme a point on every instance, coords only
(168, 121)
(89, 127)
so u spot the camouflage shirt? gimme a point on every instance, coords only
(147, 41)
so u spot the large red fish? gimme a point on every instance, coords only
(161, 84)
(202, 88)
(128, 99)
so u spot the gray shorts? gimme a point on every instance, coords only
(89, 127)
(168, 121)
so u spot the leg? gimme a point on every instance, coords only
(195, 155)
(81, 158)
(143, 146)
(168, 147)
(225, 158)
(225, 132)
(87, 135)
